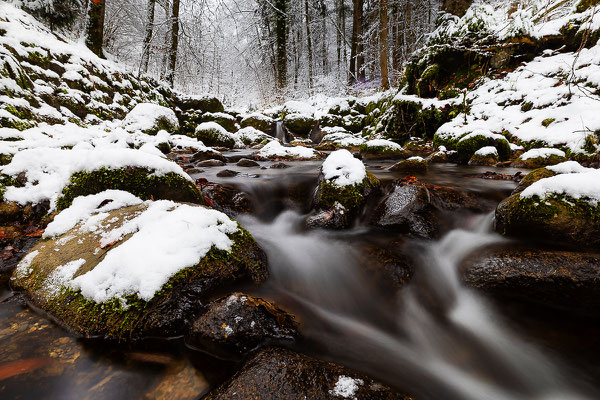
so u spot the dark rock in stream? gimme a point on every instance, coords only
(225, 198)
(564, 279)
(227, 173)
(207, 154)
(246, 162)
(279, 165)
(210, 163)
(416, 208)
(279, 374)
(237, 324)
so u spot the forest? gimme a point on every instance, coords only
(300, 199)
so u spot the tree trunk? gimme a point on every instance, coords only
(281, 40)
(309, 46)
(174, 43)
(383, 44)
(324, 35)
(354, 44)
(148, 37)
(94, 31)
(360, 57)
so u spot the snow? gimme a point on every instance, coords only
(342, 169)
(387, 144)
(48, 170)
(341, 137)
(298, 107)
(346, 387)
(252, 135)
(570, 105)
(24, 267)
(568, 167)
(487, 151)
(583, 185)
(276, 149)
(542, 153)
(60, 277)
(83, 206)
(145, 116)
(166, 238)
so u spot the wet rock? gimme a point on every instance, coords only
(237, 324)
(392, 268)
(210, 163)
(227, 173)
(13, 251)
(278, 374)
(226, 199)
(246, 162)
(415, 208)
(207, 154)
(279, 165)
(46, 275)
(495, 176)
(411, 165)
(563, 279)
(443, 156)
(194, 171)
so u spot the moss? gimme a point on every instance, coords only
(467, 147)
(379, 151)
(164, 147)
(585, 4)
(547, 122)
(138, 181)
(410, 166)
(539, 162)
(351, 197)
(213, 137)
(134, 317)
(526, 106)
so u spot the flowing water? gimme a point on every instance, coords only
(434, 338)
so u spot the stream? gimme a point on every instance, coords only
(434, 337)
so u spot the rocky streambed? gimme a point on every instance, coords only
(397, 287)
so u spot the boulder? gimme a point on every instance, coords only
(207, 154)
(213, 134)
(257, 121)
(227, 121)
(275, 151)
(150, 119)
(279, 374)
(299, 124)
(381, 148)
(563, 279)
(557, 204)
(343, 189)
(237, 324)
(140, 270)
(486, 156)
(411, 165)
(210, 163)
(225, 198)
(202, 103)
(415, 208)
(247, 163)
(539, 158)
(469, 144)
(227, 173)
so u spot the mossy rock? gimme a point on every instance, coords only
(484, 160)
(215, 136)
(539, 162)
(141, 182)
(299, 124)
(380, 152)
(533, 177)
(468, 146)
(203, 104)
(258, 121)
(586, 4)
(557, 218)
(166, 314)
(411, 165)
(344, 202)
(227, 121)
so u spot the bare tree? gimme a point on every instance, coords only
(383, 43)
(148, 36)
(174, 43)
(94, 30)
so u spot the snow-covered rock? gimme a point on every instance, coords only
(276, 151)
(150, 119)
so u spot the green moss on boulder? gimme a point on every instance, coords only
(213, 134)
(141, 182)
(299, 124)
(468, 145)
(411, 165)
(166, 314)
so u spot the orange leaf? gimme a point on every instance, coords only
(22, 366)
(37, 233)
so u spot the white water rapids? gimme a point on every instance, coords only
(437, 340)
